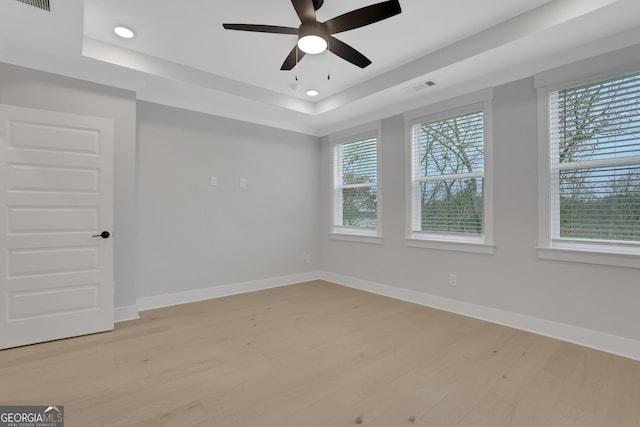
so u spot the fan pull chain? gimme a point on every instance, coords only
(296, 66)
(328, 63)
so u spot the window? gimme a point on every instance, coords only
(448, 193)
(594, 166)
(356, 197)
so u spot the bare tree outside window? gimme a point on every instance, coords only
(451, 175)
(356, 183)
(596, 160)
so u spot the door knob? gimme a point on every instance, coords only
(104, 235)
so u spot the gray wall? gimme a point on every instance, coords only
(34, 89)
(513, 279)
(193, 235)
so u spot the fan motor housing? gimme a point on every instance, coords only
(313, 29)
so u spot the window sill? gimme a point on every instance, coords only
(590, 256)
(358, 238)
(456, 246)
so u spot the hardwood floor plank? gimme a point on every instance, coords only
(319, 354)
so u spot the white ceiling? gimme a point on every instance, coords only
(181, 55)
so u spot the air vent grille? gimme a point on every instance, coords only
(40, 4)
(424, 85)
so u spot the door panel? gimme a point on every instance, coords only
(56, 196)
(27, 220)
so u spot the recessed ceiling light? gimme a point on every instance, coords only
(312, 92)
(124, 32)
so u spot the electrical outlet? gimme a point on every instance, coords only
(243, 182)
(308, 259)
(214, 181)
(452, 280)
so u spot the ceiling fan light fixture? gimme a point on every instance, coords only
(312, 44)
(315, 37)
(124, 32)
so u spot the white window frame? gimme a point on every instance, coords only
(338, 231)
(484, 244)
(620, 254)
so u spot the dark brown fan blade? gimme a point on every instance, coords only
(305, 9)
(261, 28)
(348, 53)
(291, 62)
(363, 16)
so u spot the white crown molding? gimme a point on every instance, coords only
(162, 68)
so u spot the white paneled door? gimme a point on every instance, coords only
(56, 217)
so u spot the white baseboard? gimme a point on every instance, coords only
(597, 340)
(122, 314)
(194, 295)
(589, 338)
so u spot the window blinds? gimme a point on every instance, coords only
(448, 175)
(355, 183)
(595, 161)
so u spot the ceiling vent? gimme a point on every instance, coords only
(423, 85)
(40, 4)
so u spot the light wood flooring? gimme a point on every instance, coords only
(320, 355)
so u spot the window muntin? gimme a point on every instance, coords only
(355, 189)
(448, 177)
(595, 162)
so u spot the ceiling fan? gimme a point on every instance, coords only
(315, 37)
